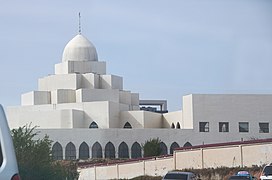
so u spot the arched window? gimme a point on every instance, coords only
(136, 150)
(109, 150)
(93, 125)
(70, 151)
(187, 144)
(173, 146)
(127, 125)
(97, 150)
(178, 125)
(123, 150)
(84, 151)
(57, 152)
(163, 148)
(173, 126)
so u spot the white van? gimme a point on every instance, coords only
(8, 162)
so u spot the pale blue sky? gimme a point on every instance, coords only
(163, 49)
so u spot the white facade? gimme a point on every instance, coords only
(80, 95)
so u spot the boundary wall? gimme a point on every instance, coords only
(234, 154)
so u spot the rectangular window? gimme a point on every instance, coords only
(243, 127)
(223, 127)
(203, 126)
(263, 127)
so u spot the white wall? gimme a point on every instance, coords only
(233, 109)
(135, 118)
(172, 117)
(152, 120)
(209, 157)
(187, 116)
(63, 96)
(90, 81)
(80, 67)
(46, 119)
(61, 81)
(111, 82)
(125, 97)
(36, 98)
(89, 95)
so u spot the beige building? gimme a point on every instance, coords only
(87, 113)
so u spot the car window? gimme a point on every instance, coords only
(176, 176)
(1, 156)
(238, 177)
(268, 170)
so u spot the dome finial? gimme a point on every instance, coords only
(79, 24)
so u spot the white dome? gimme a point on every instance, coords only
(79, 49)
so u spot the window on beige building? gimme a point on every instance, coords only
(204, 127)
(243, 127)
(223, 127)
(263, 127)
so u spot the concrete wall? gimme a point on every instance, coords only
(47, 119)
(90, 81)
(63, 96)
(90, 95)
(36, 98)
(81, 67)
(152, 120)
(125, 97)
(209, 157)
(172, 117)
(141, 119)
(60, 81)
(187, 115)
(135, 118)
(231, 108)
(111, 82)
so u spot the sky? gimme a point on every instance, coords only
(163, 49)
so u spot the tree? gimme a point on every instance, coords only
(34, 157)
(152, 147)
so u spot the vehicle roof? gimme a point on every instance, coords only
(234, 177)
(179, 172)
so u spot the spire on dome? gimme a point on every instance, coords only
(79, 24)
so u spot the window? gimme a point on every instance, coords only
(70, 151)
(136, 150)
(123, 150)
(109, 150)
(263, 127)
(173, 146)
(84, 151)
(1, 156)
(97, 150)
(93, 125)
(178, 125)
(243, 127)
(203, 127)
(163, 148)
(127, 125)
(57, 151)
(187, 144)
(223, 127)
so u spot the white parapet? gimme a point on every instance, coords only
(63, 96)
(90, 81)
(135, 99)
(80, 67)
(90, 95)
(60, 81)
(36, 98)
(125, 97)
(111, 82)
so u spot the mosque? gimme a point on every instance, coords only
(88, 114)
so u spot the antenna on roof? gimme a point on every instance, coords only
(79, 24)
